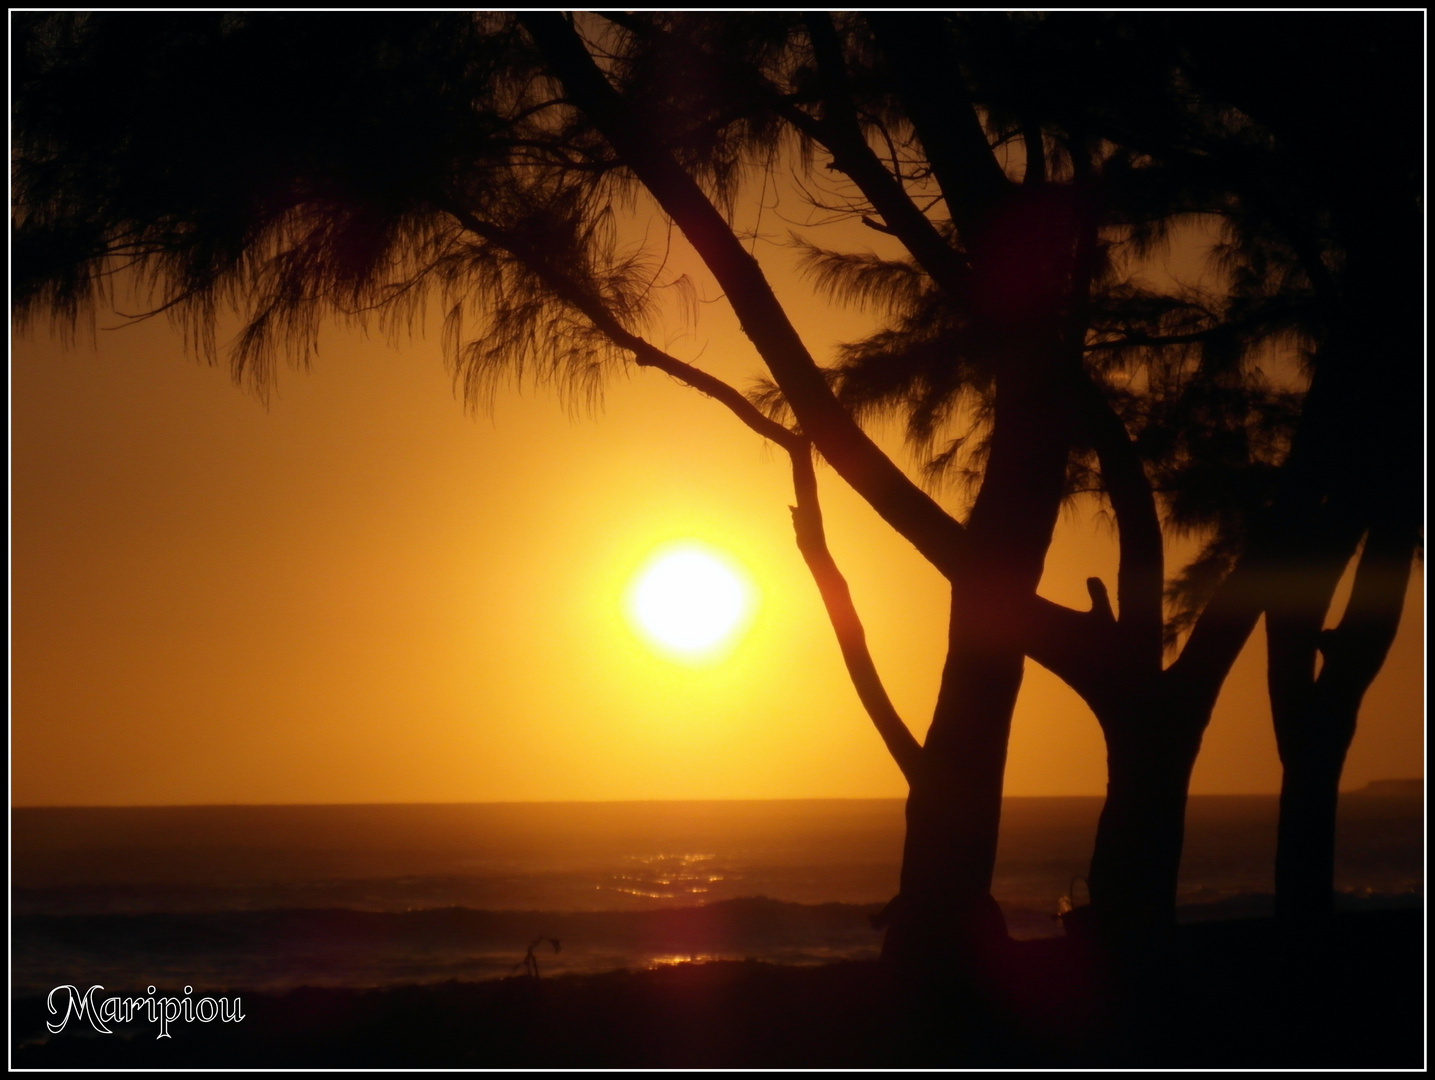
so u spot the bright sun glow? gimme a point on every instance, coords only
(690, 601)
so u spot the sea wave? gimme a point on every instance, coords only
(277, 950)
(280, 949)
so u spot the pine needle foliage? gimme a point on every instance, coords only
(318, 169)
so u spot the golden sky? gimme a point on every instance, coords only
(360, 593)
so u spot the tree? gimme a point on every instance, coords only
(1353, 229)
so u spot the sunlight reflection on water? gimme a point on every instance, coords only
(670, 959)
(667, 876)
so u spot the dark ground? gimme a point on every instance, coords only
(1235, 995)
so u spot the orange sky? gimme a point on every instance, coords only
(362, 594)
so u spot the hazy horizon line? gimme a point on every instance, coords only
(629, 802)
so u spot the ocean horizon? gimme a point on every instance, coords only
(1403, 787)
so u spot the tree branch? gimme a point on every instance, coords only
(1078, 647)
(645, 353)
(1220, 633)
(1141, 574)
(1316, 557)
(841, 134)
(1356, 649)
(812, 542)
(857, 459)
(945, 119)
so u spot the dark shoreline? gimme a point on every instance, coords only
(1237, 994)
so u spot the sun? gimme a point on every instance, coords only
(690, 601)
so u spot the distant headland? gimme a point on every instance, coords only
(1404, 789)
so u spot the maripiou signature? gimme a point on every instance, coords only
(100, 1012)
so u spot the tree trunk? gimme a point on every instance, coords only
(945, 914)
(1305, 843)
(1150, 752)
(1311, 739)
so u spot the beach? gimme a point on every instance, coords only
(1239, 997)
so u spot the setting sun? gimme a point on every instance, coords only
(689, 601)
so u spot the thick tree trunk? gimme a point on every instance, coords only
(1305, 844)
(945, 913)
(1137, 857)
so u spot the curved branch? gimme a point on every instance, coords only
(837, 597)
(1141, 573)
(645, 353)
(1356, 649)
(1221, 632)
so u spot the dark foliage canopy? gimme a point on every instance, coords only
(294, 168)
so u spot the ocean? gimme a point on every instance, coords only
(270, 898)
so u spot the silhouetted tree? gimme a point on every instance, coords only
(1353, 227)
(1280, 537)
